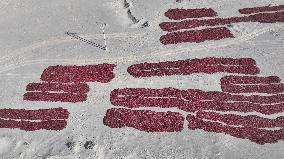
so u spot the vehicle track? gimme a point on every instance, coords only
(165, 52)
(56, 41)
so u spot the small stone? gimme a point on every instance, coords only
(145, 24)
(70, 144)
(89, 145)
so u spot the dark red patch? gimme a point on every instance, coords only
(178, 14)
(208, 65)
(90, 73)
(252, 84)
(192, 100)
(196, 36)
(55, 97)
(32, 126)
(199, 95)
(260, 17)
(50, 119)
(261, 9)
(247, 121)
(143, 97)
(144, 120)
(270, 88)
(259, 136)
(241, 106)
(77, 88)
(250, 80)
(41, 114)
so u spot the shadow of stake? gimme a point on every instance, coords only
(74, 35)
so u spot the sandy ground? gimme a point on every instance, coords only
(32, 37)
